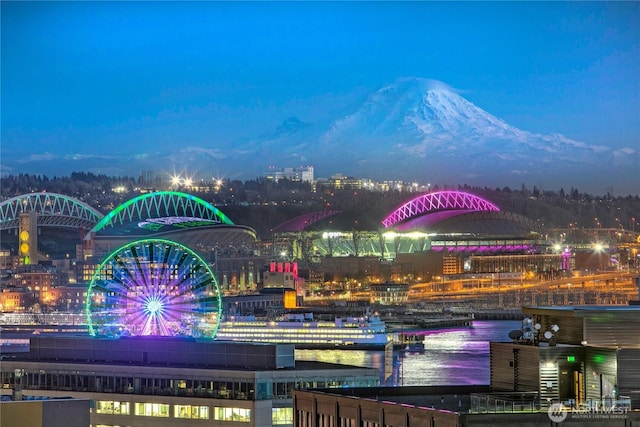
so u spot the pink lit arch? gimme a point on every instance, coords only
(438, 201)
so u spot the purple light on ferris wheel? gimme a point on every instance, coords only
(153, 287)
(438, 201)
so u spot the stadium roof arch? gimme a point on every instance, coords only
(53, 210)
(441, 204)
(458, 221)
(432, 222)
(172, 215)
(159, 204)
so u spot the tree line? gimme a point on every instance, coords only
(263, 204)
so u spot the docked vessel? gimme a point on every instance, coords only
(302, 330)
(306, 332)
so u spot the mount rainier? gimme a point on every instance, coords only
(419, 129)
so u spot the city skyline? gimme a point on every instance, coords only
(116, 88)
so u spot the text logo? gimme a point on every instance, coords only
(557, 412)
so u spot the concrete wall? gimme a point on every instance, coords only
(45, 413)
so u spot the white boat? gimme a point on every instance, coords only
(366, 332)
(306, 332)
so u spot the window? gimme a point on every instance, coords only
(191, 411)
(281, 416)
(152, 409)
(232, 414)
(111, 407)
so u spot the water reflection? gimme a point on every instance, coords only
(451, 356)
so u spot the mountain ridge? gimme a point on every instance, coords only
(416, 124)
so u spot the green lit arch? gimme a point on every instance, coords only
(53, 210)
(158, 204)
(153, 287)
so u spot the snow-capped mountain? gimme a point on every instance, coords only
(413, 129)
(418, 128)
(422, 121)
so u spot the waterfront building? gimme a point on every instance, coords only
(271, 300)
(389, 293)
(577, 365)
(162, 381)
(581, 355)
(518, 263)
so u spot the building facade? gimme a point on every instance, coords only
(159, 381)
(585, 355)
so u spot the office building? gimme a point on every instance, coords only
(162, 381)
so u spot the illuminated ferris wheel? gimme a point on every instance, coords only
(153, 287)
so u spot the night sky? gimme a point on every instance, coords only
(89, 83)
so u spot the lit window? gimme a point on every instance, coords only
(111, 407)
(281, 416)
(232, 414)
(191, 411)
(152, 409)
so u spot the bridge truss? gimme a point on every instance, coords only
(161, 204)
(53, 210)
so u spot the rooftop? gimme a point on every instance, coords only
(616, 311)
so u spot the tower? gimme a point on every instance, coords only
(28, 238)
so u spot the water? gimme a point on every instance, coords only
(452, 356)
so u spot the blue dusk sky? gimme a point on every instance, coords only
(106, 86)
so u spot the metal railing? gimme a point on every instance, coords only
(505, 402)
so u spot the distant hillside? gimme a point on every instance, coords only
(263, 205)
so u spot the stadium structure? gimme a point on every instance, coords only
(186, 220)
(171, 215)
(441, 225)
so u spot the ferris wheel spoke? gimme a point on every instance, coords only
(141, 268)
(164, 264)
(125, 269)
(154, 287)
